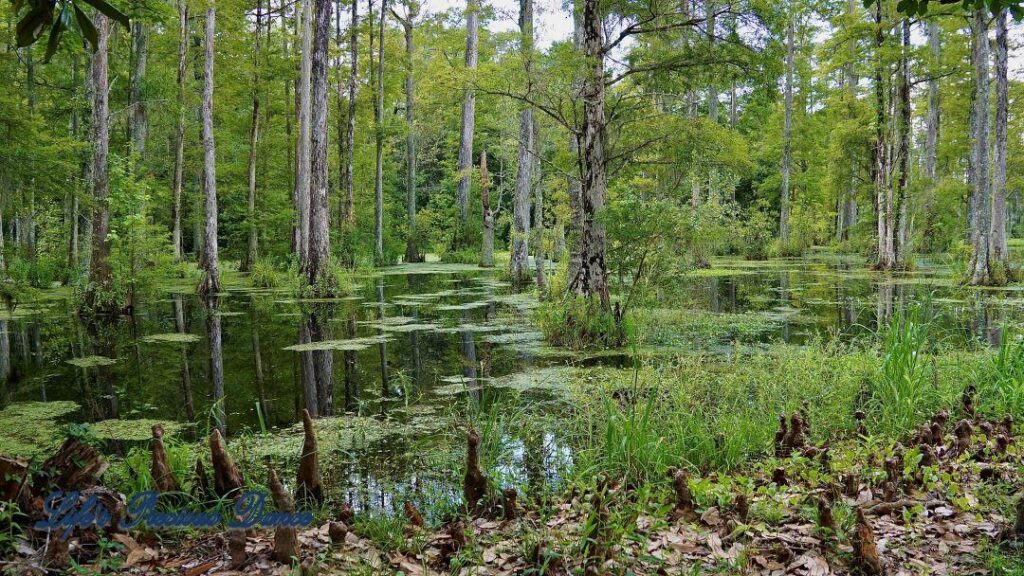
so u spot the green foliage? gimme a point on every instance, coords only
(579, 323)
(905, 391)
(263, 274)
(1001, 379)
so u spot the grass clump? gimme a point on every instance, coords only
(580, 323)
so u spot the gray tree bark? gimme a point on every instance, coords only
(883, 191)
(412, 251)
(932, 118)
(210, 261)
(1000, 252)
(538, 213)
(318, 254)
(787, 131)
(903, 154)
(254, 135)
(489, 215)
(350, 130)
(138, 118)
(592, 278)
(179, 130)
(100, 280)
(575, 224)
(378, 204)
(518, 266)
(468, 112)
(303, 160)
(979, 269)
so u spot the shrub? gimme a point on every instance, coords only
(579, 323)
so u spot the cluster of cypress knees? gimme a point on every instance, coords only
(934, 445)
(79, 467)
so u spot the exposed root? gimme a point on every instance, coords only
(865, 552)
(474, 488)
(826, 519)
(510, 504)
(160, 469)
(226, 477)
(337, 532)
(412, 515)
(286, 542)
(308, 486)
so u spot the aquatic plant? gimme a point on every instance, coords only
(903, 393)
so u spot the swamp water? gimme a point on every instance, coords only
(412, 354)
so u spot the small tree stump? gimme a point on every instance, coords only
(337, 531)
(412, 514)
(825, 517)
(286, 541)
(160, 469)
(308, 487)
(75, 466)
(226, 477)
(13, 473)
(474, 489)
(865, 551)
(510, 504)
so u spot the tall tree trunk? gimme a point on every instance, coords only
(787, 132)
(412, 251)
(538, 213)
(303, 161)
(468, 114)
(100, 280)
(903, 154)
(489, 215)
(575, 187)
(138, 118)
(339, 100)
(592, 278)
(72, 217)
(350, 130)
(215, 341)
(378, 116)
(518, 265)
(846, 215)
(210, 262)
(254, 135)
(931, 144)
(711, 20)
(932, 119)
(179, 130)
(1000, 252)
(883, 192)
(317, 264)
(980, 225)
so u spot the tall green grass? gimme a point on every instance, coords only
(903, 394)
(1001, 384)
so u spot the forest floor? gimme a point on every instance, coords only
(942, 505)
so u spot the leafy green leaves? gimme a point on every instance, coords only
(56, 16)
(920, 7)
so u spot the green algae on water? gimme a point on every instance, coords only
(92, 361)
(132, 430)
(28, 429)
(171, 338)
(351, 345)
